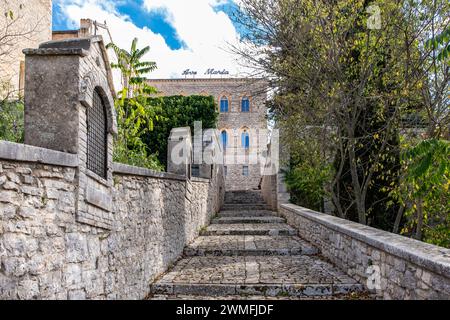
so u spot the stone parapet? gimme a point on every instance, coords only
(26, 153)
(395, 267)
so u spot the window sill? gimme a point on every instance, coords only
(98, 179)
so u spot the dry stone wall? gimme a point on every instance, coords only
(45, 253)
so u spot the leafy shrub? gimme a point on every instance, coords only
(424, 191)
(306, 184)
(11, 121)
(134, 119)
(177, 111)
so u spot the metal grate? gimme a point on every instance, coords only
(97, 137)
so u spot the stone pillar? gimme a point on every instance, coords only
(179, 151)
(283, 195)
(69, 107)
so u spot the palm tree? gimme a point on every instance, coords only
(131, 66)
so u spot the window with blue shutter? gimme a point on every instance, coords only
(245, 137)
(245, 105)
(224, 138)
(224, 104)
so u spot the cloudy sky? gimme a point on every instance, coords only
(182, 34)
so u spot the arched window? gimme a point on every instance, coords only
(245, 104)
(224, 104)
(97, 136)
(224, 139)
(245, 137)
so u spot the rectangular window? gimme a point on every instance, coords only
(225, 170)
(245, 171)
(195, 170)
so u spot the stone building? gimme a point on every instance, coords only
(242, 122)
(23, 24)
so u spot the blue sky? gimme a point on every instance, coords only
(155, 20)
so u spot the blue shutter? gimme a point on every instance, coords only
(245, 140)
(245, 105)
(224, 104)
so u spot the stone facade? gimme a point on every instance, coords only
(396, 266)
(32, 20)
(234, 122)
(46, 253)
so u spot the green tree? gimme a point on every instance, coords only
(358, 84)
(424, 192)
(178, 111)
(132, 68)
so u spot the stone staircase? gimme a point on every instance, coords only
(249, 252)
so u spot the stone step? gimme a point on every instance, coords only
(234, 220)
(244, 245)
(243, 207)
(256, 229)
(169, 297)
(243, 197)
(298, 276)
(247, 213)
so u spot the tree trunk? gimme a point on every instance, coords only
(419, 226)
(398, 219)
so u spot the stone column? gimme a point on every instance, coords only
(69, 107)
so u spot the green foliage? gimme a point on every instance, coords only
(177, 111)
(135, 116)
(424, 191)
(307, 185)
(132, 68)
(441, 43)
(11, 121)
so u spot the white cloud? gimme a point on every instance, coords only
(205, 32)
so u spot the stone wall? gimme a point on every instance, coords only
(404, 268)
(46, 253)
(269, 190)
(32, 23)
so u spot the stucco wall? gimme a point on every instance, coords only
(269, 190)
(45, 253)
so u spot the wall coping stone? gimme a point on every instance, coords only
(426, 255)
(124, 169)
(26, 153)
(56, 52)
